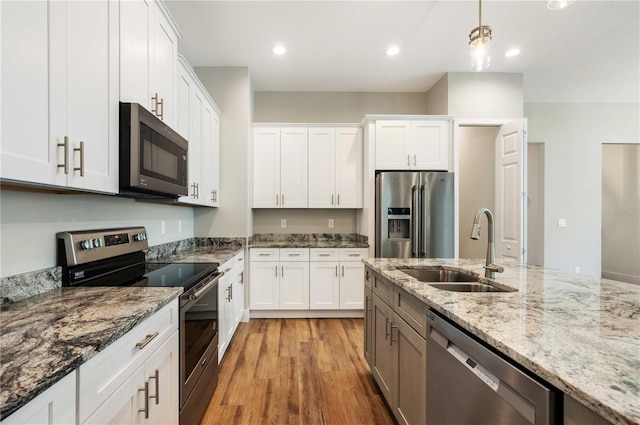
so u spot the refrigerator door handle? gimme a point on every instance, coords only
(415, 228)
(422, 240)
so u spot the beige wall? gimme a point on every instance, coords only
(230, 88)
(477, 184)
(486, 95)
(573, 135)
(621, 212)
(437, 98)
(535, 203)
(333, 107)
(304, 221)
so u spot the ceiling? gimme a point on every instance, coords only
(588, 52)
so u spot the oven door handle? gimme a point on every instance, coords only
(208, 286)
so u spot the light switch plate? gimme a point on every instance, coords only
(330, 222)
(283, 223)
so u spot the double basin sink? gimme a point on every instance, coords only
(451, 280)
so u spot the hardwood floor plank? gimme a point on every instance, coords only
(297, 372)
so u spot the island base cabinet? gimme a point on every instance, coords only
(57, 405)
(368, 324)
(382, 353)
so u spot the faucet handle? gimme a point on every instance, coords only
(494, 268)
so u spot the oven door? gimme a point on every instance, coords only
(198, 334)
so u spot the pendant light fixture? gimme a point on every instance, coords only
(479, 40)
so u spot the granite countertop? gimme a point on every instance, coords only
(309, 240)
(579, 333)
(209, 254)
(45, 337)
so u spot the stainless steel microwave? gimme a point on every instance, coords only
(153, 157)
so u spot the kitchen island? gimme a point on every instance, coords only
(578, 333)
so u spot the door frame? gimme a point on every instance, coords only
(455, 150)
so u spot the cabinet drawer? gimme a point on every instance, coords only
(294, 254)
(411, 309)
(353, 254)
(102, 375)
(265, 254)
(238, 263)
(324, 254)
(383, 288)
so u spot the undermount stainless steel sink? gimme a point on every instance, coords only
(451, 280)
(466, 287)
(435, 275)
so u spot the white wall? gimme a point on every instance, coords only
(486, 95)
(573, 135)
(30, 221)
(304, 221)
(476, 184)
(333, 107)
(621, 212)
(230, 88)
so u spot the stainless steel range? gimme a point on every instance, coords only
(115, 257)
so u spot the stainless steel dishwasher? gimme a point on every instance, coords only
(467, 383)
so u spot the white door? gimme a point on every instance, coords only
(351, 285)
(206, 187)
(214, 159)
(134, 44)
(224, 315)
(322, 167)
(294, 285)
(266, 168)
(510, 191)
(392, 143)
(293, 167)
(125, 405)
(349, 157)
(161, 370)
(264, 285)
(430, 148)
(324, 286)
(163, 71)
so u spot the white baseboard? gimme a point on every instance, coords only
(304, 314)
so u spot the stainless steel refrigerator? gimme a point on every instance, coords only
(414, 214)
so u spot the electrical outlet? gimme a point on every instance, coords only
(179, 225)
(163, 227)
(576, 270)
(330, 222)
(562, 222)
(283, 223)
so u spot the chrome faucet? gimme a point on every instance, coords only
(490, 268)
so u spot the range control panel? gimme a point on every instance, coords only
(79, 247)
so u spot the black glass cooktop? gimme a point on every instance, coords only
(176, 274)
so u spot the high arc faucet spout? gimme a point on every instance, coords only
(490, 264)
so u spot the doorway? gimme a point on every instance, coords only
(621, 212)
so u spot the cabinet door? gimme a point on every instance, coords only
(27, 152)
(56, 405)
(91, 95)
(161, 371)
(294, 286)
(349, 159)
(322, 168)
(324, 286)
(293, 167)
(410, 373)
(266, 168)
(430, 145)
(224, 315)
(368, 325)
(392, 145)
(206, 191)
(382, 350)
(135, 45)
(213, 170)
(125, 406)
(184, 90)
(163, 65)
(264, 285)
(351, 286)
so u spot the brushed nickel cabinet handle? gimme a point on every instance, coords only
(408, 159)
(414, 159)
(332, 199)
(140, 345)
(154, 108)
(81, 167)
(66, 155)
(161, 104)
(146, 400)
(282, 273)
(193, 186)
(338, 199)
(276, 271)
(336, 271)
(282, 199)
(277, 199)
(391, 334)
(342, 271)
(156, 376)
(386, 328)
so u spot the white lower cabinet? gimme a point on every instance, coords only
(56, 405)
(136, 379)
(230, 301)
(335, 278)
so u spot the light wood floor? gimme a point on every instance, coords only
(296, 371)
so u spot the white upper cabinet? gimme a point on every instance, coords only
(412, 145)
(148, 57)
(198, 121)
(280, 167)
(335, 167)
(69, 79)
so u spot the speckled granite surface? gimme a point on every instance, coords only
(18, 287)
(309, 240)
(204, 250)
(45, 337)
(579, 333)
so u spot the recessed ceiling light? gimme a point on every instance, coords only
(393, 50)
(279, 50)
(512, 52)
(559, 4)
